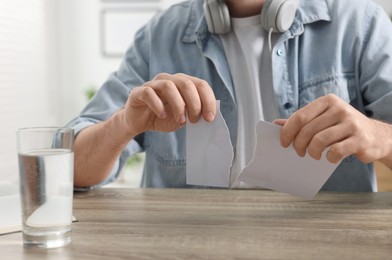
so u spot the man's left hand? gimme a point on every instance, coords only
(330, 123)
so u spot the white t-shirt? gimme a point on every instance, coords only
(249, 59)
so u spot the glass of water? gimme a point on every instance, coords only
(45, 157)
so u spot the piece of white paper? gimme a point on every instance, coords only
(209, 152)
(10, 216)
(210, 155)
(281, 169)
(10, 213)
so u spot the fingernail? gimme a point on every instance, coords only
(210, 117)
(182, 119)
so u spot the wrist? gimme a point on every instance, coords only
(121, 132)
(386, 136)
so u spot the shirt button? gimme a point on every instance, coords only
(279, 52)
(288, 105)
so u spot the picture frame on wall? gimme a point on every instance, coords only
(130, 1)
(118, 27)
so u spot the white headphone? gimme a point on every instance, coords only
(276, 15)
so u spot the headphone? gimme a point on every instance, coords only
(276, 15)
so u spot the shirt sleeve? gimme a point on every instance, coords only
(112, 96)
(375, 71)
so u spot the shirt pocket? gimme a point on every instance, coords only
(167, 148)
(342, 85)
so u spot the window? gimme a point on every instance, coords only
(25, 97)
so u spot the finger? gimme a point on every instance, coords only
(147, 96)
(326, 138)
(187, 88)
(300, 118)
(171, 97)
(280, 122)
(357, 145)
(169, 92)
(341, 150)
(206, 95)
(311, 129)
(202, 104)
(208, 100)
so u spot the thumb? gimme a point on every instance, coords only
(280, 122)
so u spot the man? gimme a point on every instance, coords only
(327, 75)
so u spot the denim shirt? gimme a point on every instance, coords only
(334, 46)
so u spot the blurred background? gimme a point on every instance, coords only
(54, 54)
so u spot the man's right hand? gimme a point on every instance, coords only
(164, 103)
(161, 104)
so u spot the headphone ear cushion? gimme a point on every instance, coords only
(278, 15)
(208, 16)
(217, 16)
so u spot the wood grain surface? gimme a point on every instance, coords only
(220, 224)
(384, 177)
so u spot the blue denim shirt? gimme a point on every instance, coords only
(334, 46)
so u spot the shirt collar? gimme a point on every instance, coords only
(313, 11)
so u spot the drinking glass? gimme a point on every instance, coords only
(45, 156)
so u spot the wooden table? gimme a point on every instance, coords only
(220, 224)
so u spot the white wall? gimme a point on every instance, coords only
(387, 4)
(27, 97)
(80, 60)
